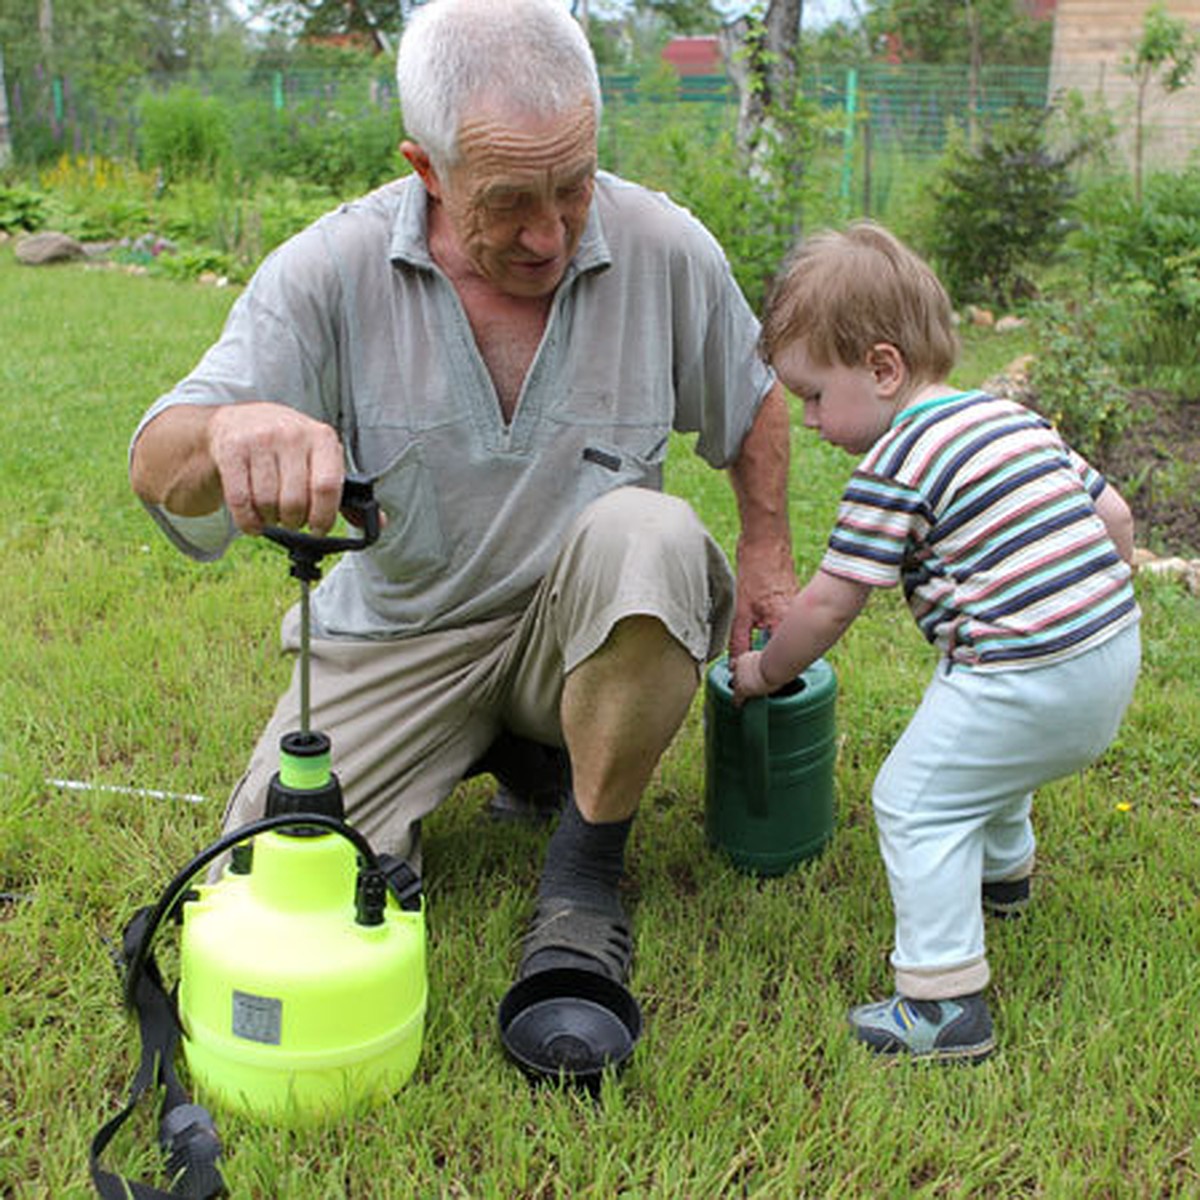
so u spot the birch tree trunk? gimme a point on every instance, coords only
(5, 137)
(46, 28)
(760, 57)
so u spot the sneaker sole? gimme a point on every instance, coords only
(967, 1055)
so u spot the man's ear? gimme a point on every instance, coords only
(889, 369)
(420, 163)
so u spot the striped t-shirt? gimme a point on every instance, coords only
(977, 506)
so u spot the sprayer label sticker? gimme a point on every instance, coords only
(257, 1018)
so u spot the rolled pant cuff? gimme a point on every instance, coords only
(942, 983)
(1023, 871)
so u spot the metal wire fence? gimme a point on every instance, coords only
(908, 108)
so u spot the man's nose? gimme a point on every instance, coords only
(544, 232)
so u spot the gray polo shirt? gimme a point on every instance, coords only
(352, 323)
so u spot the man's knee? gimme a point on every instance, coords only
(635, 551)
(640, 516)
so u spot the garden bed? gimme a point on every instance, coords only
(1156, 465)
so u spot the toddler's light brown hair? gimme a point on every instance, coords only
(843, 292)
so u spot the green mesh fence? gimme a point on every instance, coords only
(909, 107)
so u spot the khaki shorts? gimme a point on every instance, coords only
(407, 718)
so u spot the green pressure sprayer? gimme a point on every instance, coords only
(302, 982)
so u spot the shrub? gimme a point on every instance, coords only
(1073, 384)
(183, 133)
(339, 146)
(1146, 257)
(999, 208)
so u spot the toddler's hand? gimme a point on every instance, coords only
(748, 681)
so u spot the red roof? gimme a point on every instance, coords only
(694, 55)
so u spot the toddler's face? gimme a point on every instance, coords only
(842, 403)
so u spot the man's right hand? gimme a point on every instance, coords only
(269, 463)
(277, 467)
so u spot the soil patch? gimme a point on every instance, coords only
(1156, 466)
(1155, 463)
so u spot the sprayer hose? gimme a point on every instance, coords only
(178, 885)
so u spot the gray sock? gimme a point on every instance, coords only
(585, 861)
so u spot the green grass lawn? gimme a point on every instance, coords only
(126, 665)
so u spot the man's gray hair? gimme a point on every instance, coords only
(530, 52)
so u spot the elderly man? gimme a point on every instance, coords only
(503, 341)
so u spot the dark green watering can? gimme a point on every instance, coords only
(768, 787)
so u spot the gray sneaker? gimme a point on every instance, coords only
(957, 1028)
(532, 781)
(1006, 898)
(538, 808)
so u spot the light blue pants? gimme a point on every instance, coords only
(953, 799)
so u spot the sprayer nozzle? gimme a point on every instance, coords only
(370, 897)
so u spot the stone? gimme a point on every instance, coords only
(42, 249)
(1171, 568)
(1009, 323)
(1012, 383)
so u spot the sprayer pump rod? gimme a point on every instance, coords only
(305, 635)
(305, 552)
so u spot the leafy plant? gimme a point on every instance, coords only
(1145, 257)
(96, 198)
(1000, 206)
(192, 263)
(21, 209)
(1166, 51)
(1072, 383)
(183, 132)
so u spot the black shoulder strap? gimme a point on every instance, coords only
(186, 1132)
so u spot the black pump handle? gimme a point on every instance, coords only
(306, 549)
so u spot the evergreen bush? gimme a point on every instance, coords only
(1000, 209)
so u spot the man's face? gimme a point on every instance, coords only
(517, 200)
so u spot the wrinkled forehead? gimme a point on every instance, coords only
(501, 138)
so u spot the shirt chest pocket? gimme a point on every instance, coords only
(412, 542)
(613, 446)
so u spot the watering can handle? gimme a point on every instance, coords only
(756, 753)
(755, 741)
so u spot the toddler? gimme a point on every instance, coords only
(1013, 553)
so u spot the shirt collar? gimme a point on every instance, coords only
(921, 406)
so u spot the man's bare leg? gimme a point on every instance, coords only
(620, 709)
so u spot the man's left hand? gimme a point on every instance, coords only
(766, 582)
